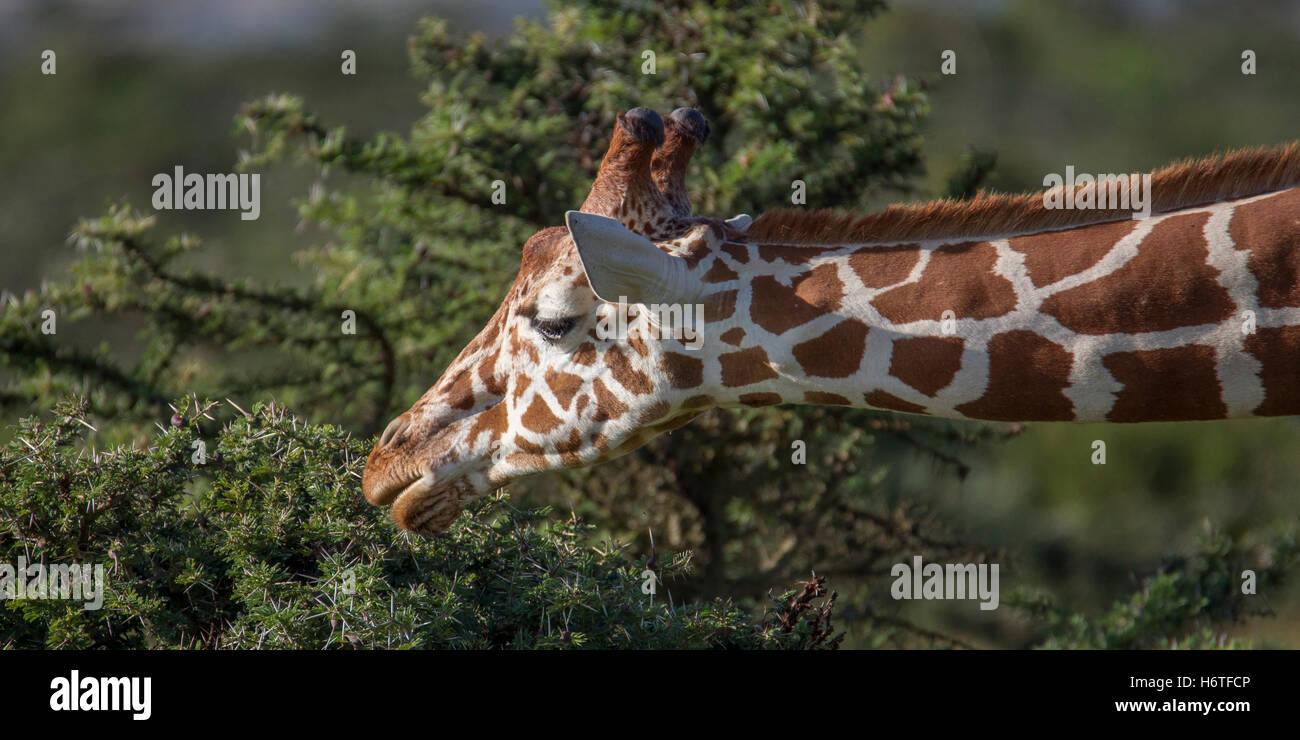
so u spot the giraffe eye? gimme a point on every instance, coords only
(553, 329)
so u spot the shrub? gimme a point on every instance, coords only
(263, 543)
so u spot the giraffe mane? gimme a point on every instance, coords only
(1236, 174)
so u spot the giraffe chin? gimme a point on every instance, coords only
(428, 508)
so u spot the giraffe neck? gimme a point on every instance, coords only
(1189, 314)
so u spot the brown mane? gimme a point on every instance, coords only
(1191, 182)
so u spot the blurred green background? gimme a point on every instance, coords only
(1103, 86)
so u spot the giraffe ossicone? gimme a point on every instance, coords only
(995, 308)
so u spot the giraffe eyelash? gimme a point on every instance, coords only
(553, 329)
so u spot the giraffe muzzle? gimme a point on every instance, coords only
(420, 504)
(422, 500)
(382, 480)
(428, 508)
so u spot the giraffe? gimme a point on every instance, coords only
(994, 308)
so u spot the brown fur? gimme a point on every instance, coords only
(1237, 174)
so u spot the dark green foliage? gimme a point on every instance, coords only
(977, 165)
(263, 543)
(1184, 605)
(266, 545)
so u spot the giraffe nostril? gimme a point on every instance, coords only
(394, 428)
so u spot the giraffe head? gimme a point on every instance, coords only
(594, 351)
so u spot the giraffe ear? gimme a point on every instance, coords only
(623, 264)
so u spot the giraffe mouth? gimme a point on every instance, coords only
(425, 506)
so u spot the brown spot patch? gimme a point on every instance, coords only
(656, 411)
(820, 286)
(521, 386)
(880, 267)
(790, 253)
(745, 367)
(520, 347)
(698, 402)
(631, 443)
(564, 385)
(493, 383)
(1270, 229)
(528, 447)
(627, 376)
(493, 421)
(638, 344)
(608, 406)
(539, 417)
(492, 331)
(1027, 373)
(720, 306)
(719, 272)
(694, 251)
(460, 394)
(1166, 286)
(821, 398)
(733, 336)
(1278, 352)
(1056, 255)
(738, 252)
(928, 364)
(883, 400)
(835, 354)
(569, 449)
(1175, 384)
(814, 293)
(585, 354)
(958, 278)
(683, 371)
(760, 399)
(522, 460)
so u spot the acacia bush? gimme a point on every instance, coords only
(262, 542)
(265, 544)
